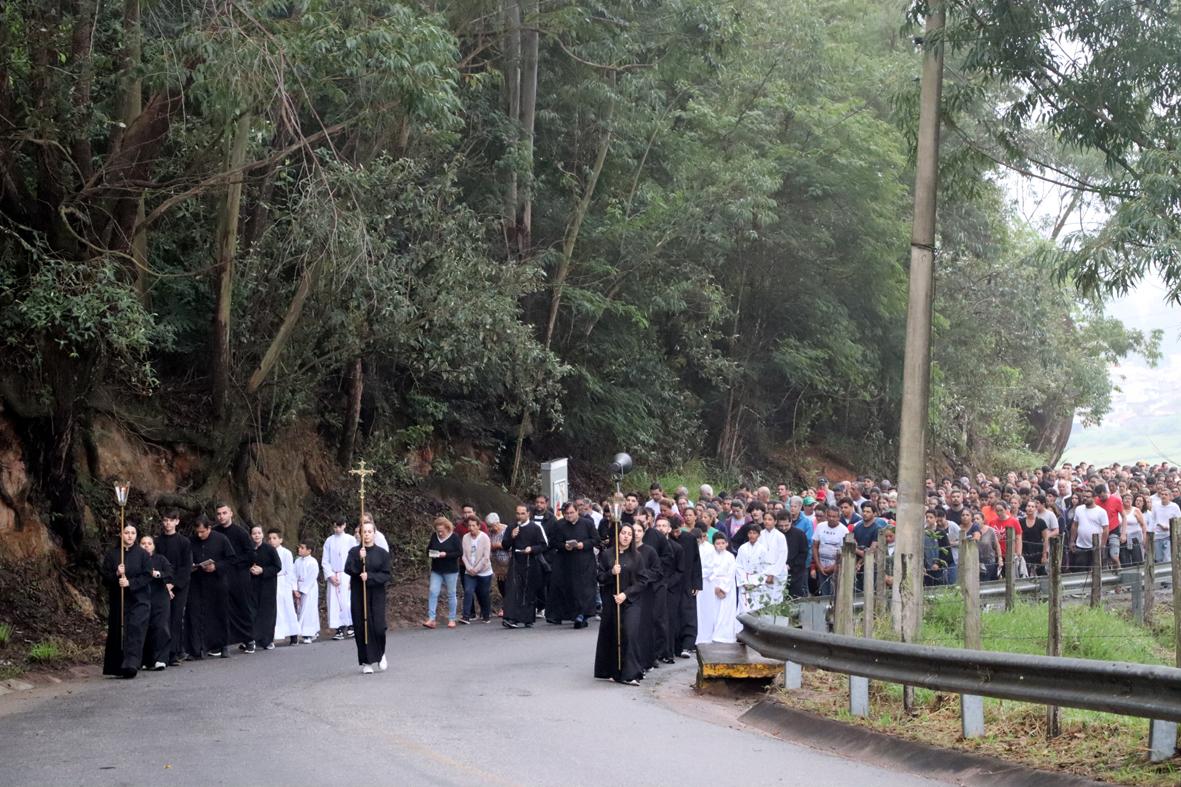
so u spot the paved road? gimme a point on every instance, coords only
(477, 705)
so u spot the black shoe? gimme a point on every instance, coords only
(242, 647)
(217, 654)
(174, 663)
(553, 622)
(339, 635)
(292, 640)
(512, 624)
(128, 674)
(668, 660)
(349, 633)
(684, 654)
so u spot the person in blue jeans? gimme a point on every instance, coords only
(477, 572)
(444, 550)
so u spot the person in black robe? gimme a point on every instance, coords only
(369, 567)
(619, 658)
(526, 543)
(158, 644)
(690, 570)
(126, 571)
(241, 607)
(673, 582)
(207, 622)
(572, 579)
(798, 555)
(544, 518)
(178, 550)
(647, 597)
(264, 585)
(661, 644)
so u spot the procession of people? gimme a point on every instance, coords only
(661, 577)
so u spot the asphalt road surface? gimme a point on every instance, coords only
(474, 705)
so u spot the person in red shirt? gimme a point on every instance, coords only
(1005, 520)
(1117, 532)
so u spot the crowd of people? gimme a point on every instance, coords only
(670, 573)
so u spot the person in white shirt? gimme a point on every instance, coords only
(336, 551)
(1162, 512)
(826, 549)
(1090, 522)
(286, 621)
(307, 593)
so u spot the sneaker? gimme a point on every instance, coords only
(242, 647)
(339, 635)
(159, 666)
(465, 621)
(631, 683)
(512, 624)
(366, 669)
(270, 647)
(306, 640)
(684, 654)
(249, 648)
(383, 664)
(349, 633)
(292, 640)
(214, 654)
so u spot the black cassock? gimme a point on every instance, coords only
(127, 618)
(572, 578)
(647, 601)
(159, 642)
(662, 647)
(673, 582)
(525, 575)
(265, 587)
(206, 624)
(179, 552)
(634, 579)
(377, 567)
(241, 602)
(690, 568)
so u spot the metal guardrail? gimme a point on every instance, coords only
(1035, 586)
(1129, 689)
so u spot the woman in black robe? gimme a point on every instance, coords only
(264, 584)
(369, 567)
(158, 646)
(126, 571)
(572, 581)
(647, 599)
(619, 660)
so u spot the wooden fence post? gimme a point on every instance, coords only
(1010, 569)
(971, 705)
(843, 622)
(1097, 543)
(1054, 637)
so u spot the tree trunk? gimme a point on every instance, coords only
(80, 53)
(511, 13)
(225, 248)
(290, 320)
(352, 418)
(529, 49)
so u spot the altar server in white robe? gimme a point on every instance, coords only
(336, 551)
(723, 578)
(773, 546)
(286, 621)
(306, 575)
(748, 573)
(707, 602)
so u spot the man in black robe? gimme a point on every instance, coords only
(241, 608)
(126, 571)
(662, 647)
(526, 543)
(572, 578)
(673, 583)
(369, 567)
(179, 552)
(264, 585)
(158, 644)
(690, 570)
(798, 555)
(544, 518)
(647, 597)
(206, 622)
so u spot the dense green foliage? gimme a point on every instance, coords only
(685, 233)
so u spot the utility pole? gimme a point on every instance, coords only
(916, 370)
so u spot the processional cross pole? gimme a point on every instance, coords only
(363, 472)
